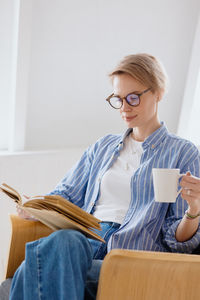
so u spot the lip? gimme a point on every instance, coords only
(129, 119)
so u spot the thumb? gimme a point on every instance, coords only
(188, 173)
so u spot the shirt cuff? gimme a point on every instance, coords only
(182, 247)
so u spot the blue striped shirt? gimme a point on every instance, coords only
(148, 225)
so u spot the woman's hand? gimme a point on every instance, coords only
(23, 214)
(191, 192)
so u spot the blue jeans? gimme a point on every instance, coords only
(61, 267)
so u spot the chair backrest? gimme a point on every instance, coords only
(142, 275)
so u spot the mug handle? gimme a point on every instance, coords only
(179, 191)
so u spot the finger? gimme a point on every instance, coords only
(18, 208)
(191, 179)
(22, 214)
(188, 194)
(191, 186)
(187, 198)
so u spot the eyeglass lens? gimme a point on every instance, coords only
(131, 99)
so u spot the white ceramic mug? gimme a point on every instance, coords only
(165, 182)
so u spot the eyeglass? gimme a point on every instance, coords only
(132, 99)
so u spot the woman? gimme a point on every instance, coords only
(113, 181)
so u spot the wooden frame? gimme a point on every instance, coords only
(144, 275)
(22, 231)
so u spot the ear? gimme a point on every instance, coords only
(159, 95)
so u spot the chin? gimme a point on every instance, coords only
(132, 124)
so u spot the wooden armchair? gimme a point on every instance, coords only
(125, 274)
(144, 275)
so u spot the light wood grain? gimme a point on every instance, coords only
(23, 231)
(141, 275)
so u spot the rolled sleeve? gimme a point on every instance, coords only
(182, 247)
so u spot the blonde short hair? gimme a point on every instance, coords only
(145, 68)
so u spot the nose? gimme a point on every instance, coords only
(125, 106)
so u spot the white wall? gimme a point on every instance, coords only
(74, 44)
(7, 14)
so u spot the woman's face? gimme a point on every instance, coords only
(145, 114)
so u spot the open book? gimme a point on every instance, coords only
(53, 213)
(56, 212)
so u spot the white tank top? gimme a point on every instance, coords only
(115, 194)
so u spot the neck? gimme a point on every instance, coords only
(141, 133)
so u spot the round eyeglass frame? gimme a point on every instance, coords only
(125, 98)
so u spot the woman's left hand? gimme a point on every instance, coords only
(191, 192)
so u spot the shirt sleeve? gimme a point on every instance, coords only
(176, 211)
(181, 247)
(74, 184)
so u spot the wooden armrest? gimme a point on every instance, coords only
(145, 275)
(22, 231)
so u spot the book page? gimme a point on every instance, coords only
(64, 207)
(57, 221)
(10, 192)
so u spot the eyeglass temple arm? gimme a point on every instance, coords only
(108, 98)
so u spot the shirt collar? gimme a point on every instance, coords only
(151, 141)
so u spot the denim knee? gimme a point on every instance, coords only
(67, 236)
(66, 239)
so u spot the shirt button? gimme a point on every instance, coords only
(152, 146)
